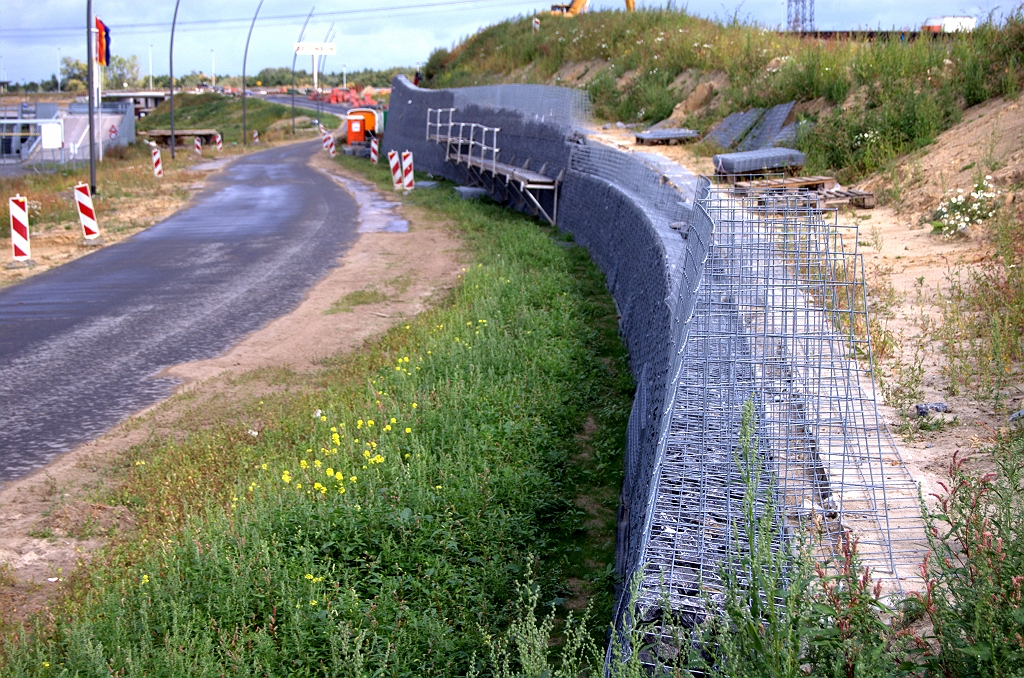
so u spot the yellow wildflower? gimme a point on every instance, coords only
(353, 479)
(408, 430)
(414, 406)
(317, 463)
(330, 471)
(145, 579)
(393, 420)
(263, 466)
(286, 476)
(304, 464)
(370, 422)
(334, 429)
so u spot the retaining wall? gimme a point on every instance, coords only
(621, 208)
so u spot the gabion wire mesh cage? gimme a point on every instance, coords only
(772, 311)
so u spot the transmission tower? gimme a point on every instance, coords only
(800, 15)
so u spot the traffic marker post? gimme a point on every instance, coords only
(331, 146)
(21, 248)
(198, 146)
(327, 139)
(396, 170)
(536, 24)
(87, 216)
(255, 136)
(374, 149)
(408, 183)
(158, 167)
(220, 143)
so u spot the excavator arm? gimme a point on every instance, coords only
(580, 6)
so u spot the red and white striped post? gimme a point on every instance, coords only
(158, 167)
(21, 248)
(220, 142)
(323, 130)
(396, 170)
(330, 139)
(198, 146)
(87, 215)
(536, 24)
(374, 150)
(408, 181)
(326, 138)
(255, 136)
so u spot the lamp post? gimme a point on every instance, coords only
(295, 56)
(245, 57)
(58, 70)
(92, 96)
(344, 76)
(174, 23)
(316, 68)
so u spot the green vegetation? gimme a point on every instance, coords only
(374, 518)
(880, 99)
(783, 616)
(214, 111)
(357, 298)
(983, 315)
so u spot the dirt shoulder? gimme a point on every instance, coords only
(51, 521)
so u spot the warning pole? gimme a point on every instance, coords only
(21, 248)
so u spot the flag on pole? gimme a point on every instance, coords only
(102, 43)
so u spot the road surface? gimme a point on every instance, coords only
(80, 345)
(301, 102)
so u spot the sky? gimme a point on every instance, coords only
(34, 34)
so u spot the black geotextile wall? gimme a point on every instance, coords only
(618, 208)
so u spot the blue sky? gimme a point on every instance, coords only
(34, 33)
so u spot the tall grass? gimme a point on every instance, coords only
(373, 519)
(888, 97)
(983, 315)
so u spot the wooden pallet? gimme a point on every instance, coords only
(857, 198)
(789, 184)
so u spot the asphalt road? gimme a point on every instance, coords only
(304, 103)
(80, 345)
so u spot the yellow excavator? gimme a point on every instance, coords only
(580, 6)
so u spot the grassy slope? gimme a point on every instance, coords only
(213, 111)
(300, 553)
(903, 94)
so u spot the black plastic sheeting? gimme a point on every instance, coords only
(754, 162)
(625, 209)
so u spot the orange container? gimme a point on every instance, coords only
(356, 129)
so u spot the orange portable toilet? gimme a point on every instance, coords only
(371, 118)
(356, 129)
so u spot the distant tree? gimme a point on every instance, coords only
(120, 71)
(49, 85)
(72, 69)
(74, 85)
(275, 77)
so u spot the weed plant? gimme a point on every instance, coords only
(214, 111)
(374, 519)
(983, 315)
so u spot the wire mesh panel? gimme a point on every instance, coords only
(779, 318)
(550, 103)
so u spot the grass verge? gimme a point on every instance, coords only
(374, 518)
(214, 111)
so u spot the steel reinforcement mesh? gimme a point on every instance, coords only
(723, 300)
(778, 317)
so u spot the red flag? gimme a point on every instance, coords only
(102, 43)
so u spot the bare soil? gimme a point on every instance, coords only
(53, 520)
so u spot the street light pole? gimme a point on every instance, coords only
(344, 76)
(316, 67)
(294, 56)
(58, 70)
(245, 57)
(92, 96)
(174, 23)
